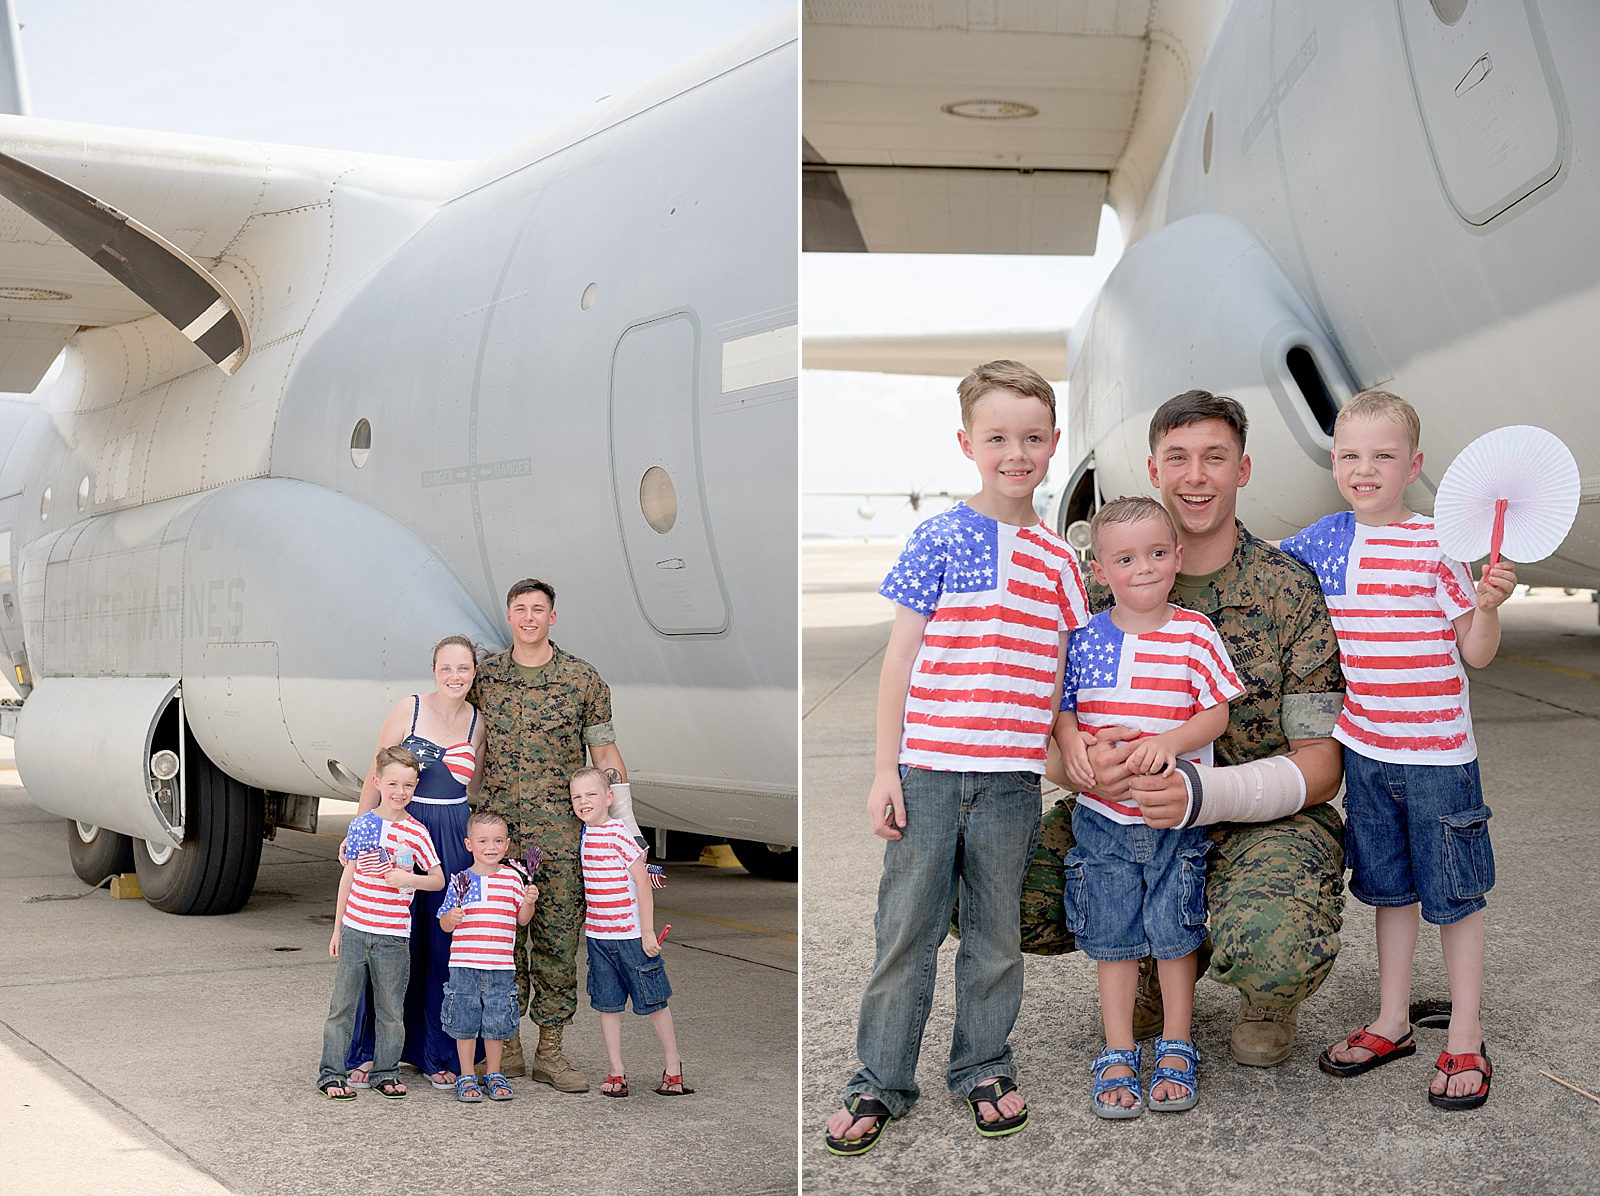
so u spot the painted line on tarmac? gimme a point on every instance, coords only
(728, 923)
(687, 946)
(1554, 668)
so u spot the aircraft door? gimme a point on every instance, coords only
(656, 477)
(1490, 100)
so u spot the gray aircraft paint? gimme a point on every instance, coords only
(471, 313)
(1436, 242)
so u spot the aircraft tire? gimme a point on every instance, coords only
(97, 853)
(215, 871)
(768, 865)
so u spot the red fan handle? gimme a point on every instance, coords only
(1497, 533)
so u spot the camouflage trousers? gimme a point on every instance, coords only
(547, 948)
(1274, 900)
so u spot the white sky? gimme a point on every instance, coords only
(882, 432)
(435, 79)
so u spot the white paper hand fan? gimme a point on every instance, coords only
(1513, 490)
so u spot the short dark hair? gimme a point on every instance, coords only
(1197, 406)
(487, 818)
(527, 586)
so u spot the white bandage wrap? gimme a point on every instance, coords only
(622, 807)
(1259, 791)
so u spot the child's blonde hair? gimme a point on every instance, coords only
(1004, 375)
(1129, 509)
(487, 818)
(588, 770)
(395, 755)
(1380, 404)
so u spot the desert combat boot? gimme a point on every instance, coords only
(1263, 1037)
(550, 1066)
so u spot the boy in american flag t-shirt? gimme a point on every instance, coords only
(619, 924)
(1417, 837)
(482, 908)
(372, 926)
(1132, 890)
(984, 596)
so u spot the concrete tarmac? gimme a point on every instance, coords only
(152, 1053)
(1288, 1129)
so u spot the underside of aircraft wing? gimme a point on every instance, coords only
(940, 354)
(103, 226)
(982, 126)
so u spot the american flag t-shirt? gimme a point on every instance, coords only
(997, 599)
(487, 935)
(1394, 598)
(1152, 682)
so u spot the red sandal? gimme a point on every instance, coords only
(666, 1090)
(1456, 1064)
(1383, 1051)
(620, 1089)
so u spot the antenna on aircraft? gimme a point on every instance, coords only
(13, 78)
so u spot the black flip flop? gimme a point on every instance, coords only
(859, 1106)
(991, 1093)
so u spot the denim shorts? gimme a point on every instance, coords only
(480, 1003)
(1133, 891)
(1417, 832)
(619, 969)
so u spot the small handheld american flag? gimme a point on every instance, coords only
(365, 837)
(658, 876)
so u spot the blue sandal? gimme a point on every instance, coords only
(1188, 1076)
(467, 1090)
(499, 1087)
(1109, 1058)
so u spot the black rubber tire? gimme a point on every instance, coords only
(105, 853)
(768, 865)
(216, 868)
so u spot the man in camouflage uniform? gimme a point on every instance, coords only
(1274, 890)
(541, 709)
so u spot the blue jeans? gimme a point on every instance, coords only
(1133, 890)
(386, 960)
(975, 831)
(618, 969)
(480, 1003)
(1417, 833)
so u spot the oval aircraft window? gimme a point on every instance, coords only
(658, 499)
(1449, 11)
(44, 504)
(1205, 148)
(589, 293)
(83, 492)
(360, 443)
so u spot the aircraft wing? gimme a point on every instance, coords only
(939, 354)
(103, 226)
(977, 126)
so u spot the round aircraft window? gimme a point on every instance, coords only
(360, 443)
(1205, 148)
(589, 293)
(44, 504)
(83, 492)
(658, 499)
(1449, 11)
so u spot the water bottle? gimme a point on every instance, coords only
(405, 861)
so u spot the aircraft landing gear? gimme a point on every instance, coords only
(98, 853)
(215, 870)
(760, 860)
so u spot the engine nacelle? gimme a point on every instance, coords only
(226, 592)
(1200, 303)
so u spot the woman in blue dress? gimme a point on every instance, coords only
(444, 732)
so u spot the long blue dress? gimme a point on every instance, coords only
(440, 804)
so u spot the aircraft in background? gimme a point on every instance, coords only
(315, 410)
(1315, 199)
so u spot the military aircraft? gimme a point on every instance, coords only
(1315, 199)
(313, 410)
